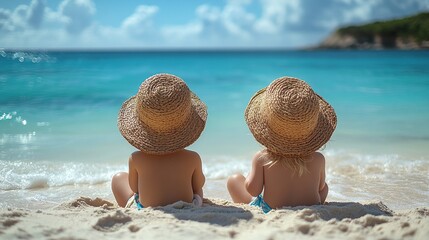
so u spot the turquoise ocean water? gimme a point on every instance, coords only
(58, 110)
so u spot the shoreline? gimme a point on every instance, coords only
(97, 218)
(350, 189)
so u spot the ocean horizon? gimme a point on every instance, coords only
(58, 112)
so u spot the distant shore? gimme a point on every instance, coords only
(337, 41)
(409, 33)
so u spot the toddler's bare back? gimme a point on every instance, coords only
(165, 179)
(284, 187)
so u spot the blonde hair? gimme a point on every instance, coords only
(296, 164)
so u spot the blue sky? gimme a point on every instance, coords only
(62, 24)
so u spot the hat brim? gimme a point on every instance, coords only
(258, 125)
(146, 139)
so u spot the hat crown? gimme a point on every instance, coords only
(163, 102)
(291, 107)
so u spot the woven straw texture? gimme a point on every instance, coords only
(289, 118)
(164, 116)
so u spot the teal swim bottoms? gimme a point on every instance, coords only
(259, 202)
(134, 199)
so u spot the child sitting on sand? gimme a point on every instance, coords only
(292, 122)
(161, 120)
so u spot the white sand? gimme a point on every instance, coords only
(86, 218)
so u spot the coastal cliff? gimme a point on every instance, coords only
(405, 33)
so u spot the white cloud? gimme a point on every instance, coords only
(78, 14)
(18, 18)
(141, 20)
(22, 17)
(231, 26)
(35, 13)
(276, 14)
(73, 15)
(71, 25)
(273, 23)
(5, 20)
(208, 13)
(237, 20)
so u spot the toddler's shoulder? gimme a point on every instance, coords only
(318, 158)
(190, 153)
(261, 158)
(190, 156)
(318, 155)
(136, 156)
(261, 153)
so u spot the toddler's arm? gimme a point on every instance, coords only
(323, 187)
(132, 175)
(198, 178)
(255, 181)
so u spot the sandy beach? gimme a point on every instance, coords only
(96, 218)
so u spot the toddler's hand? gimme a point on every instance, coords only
(197, 201)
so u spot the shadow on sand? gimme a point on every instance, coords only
(220, 214)
(342, 210)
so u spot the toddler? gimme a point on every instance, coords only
(161, 120)
(292, 122)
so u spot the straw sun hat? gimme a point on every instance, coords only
(289, 118)
(163, 117)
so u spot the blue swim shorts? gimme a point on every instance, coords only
(259, 202)
(134, 199)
